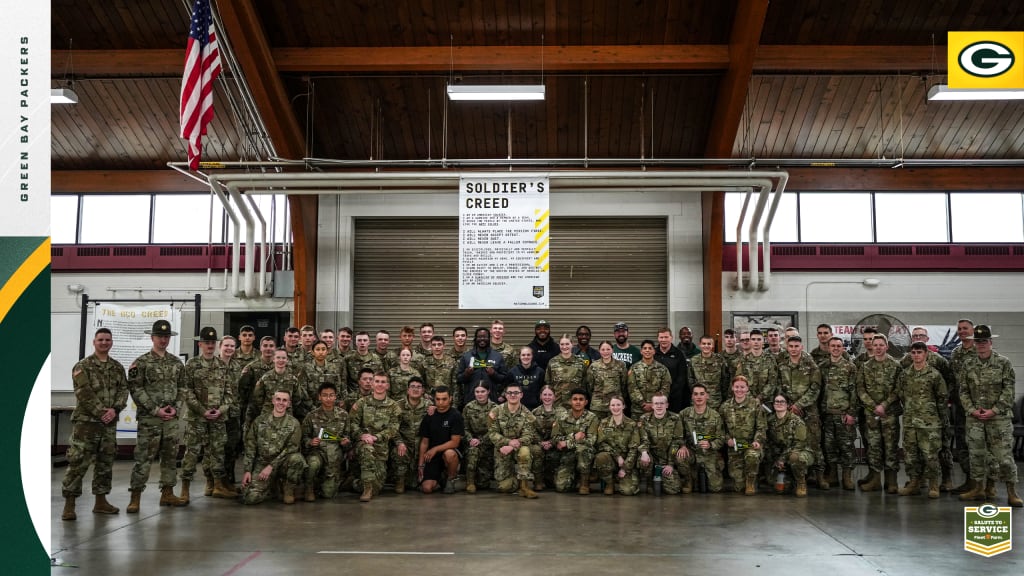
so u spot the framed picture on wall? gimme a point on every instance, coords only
(762, 320)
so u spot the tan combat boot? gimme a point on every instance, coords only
(977, 492)
(69, 509)
(687, 484)
(184, 492)
(801, 486)
(874, 484)
(867, 479)
(990, 489)
(470, 487)
(103, 507)
(609, 486)
(310, 493)
(288, 493)
(751, 487)
(823, 481)
(891, 486)
(221, 490)
(584, 484)
(947, 480)
(167, 497)
(848, 479)
(525, 491)
(133, 504)
(1011, 496)
(913, 488)
(368, 493)
(934, 488)
(208, 491)
(967, 486)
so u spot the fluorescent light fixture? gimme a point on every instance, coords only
(63, 96)
(496, 92)
(944, 92)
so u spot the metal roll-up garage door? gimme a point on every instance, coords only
(603, 271)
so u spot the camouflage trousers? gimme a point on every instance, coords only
(291, 470)
(710, 460)
(91, 442)
(958, 446)
(156, 439)
(545, 462)
(742, 464)
(479, 462)
(991, 450)
(373, 464)
(605, 463)
(671, 480)
(204, 441)
(323, 468)
(812, 419)
(838, 441)
(883, 442)
(570, 462)
(798, 461)
(945, 442)
(921, 448)
(233, 448)
(516, 465)
(405, 466)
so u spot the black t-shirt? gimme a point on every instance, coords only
(441, 426)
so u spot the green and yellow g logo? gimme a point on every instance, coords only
(981, 60)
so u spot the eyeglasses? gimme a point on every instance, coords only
(919, 336)
(779, 402)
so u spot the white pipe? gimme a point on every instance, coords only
(739, 240)
(755, 220)
(779, 189)
(250, 241)
(263, 246)
(216, 186)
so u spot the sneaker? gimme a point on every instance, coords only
(449, 487)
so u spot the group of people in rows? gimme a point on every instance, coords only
(326, 412)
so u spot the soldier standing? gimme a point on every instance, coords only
(251, 374)
(605, 378)
(565, 372)
(280, 378)
(965, 350)
(375, 421)
(759, 367)
(272, 453)
(800, 381)
(920, 334)
(839, 403)
(439, 369)
(711, 371)
(361, 358)
(512, 431)
(647, 378)
(876, 388)
(101, 392)
(923, 392)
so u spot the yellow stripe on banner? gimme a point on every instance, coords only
(23, 276)
(543, 258)
(542, 218)
(543, 246)
(989, 551)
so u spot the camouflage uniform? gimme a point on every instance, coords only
(545, 462)
(246, 357)
(441, 373)
(251, 374)
(614, 441)
(479, 463)
(745, 423)
(787, 443)
(707, 426)
(263, 395)
(646, 381)
(661, 438)
(408, 427)
(98, 386)
(206, 384)
(399, 380)
(761, 373)
(298, 356)
(234, 445)
(509, 354)
(564, 375)
(388, 359)
(456, 354)
(839, 398)
(989, 384)
(958, 417)
(732, 360)
(357, 362)
(578, 456)
(317, 375)
(923, 393)
(504, 426)
(324, 461)
(714, 373)
(876, 384)
(272, 441)
(381, 419)
(603, 382)
(946, 434)
(153, 384)
(801, 383)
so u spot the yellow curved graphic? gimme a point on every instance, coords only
(23, 276)
(540, 224)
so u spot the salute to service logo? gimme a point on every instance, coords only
(988, 529)
(985, 60)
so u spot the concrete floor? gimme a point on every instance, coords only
(835, 533)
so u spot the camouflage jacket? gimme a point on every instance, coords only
(564, 375)
(566, 426)
(620, 439)
(604, 381)
(545, 421)
(153, 382)
(661, 438)
(98, 386)
(270, 440)
(409, 424)
(399, 380)
(988, 384)
(380, 418)
(744, 421)
(876, 384)
(263, 396)
(801, 383)
(647, 380)
(206, 384)
(924, 396)
(714, 373)
(707, 426)
(839, 387)
(761, 372)
(785, 435)
(474, 416)
(505, 425)
(336, 423)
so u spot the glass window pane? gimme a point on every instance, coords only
(987, 217)
(273, 208)
(120, 219)
(835, 217)
(63, 219)
(903, 217)
(783, 225)
(185, 219)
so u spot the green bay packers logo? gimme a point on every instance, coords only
(986, 59)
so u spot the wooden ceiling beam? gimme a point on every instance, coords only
(245, 31)
(418, 59)
(725, 122)
(952, 178)
(122, 182)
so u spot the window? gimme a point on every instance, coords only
(835, 217)
(186, 219)
(118, 219)
(909, 217)
(63, 219)
(784, 228)
(979, 217)
(267, 204)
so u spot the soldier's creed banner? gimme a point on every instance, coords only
(25, 283)
(128, 324)
(503, 242)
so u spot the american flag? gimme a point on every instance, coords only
(202, 66)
